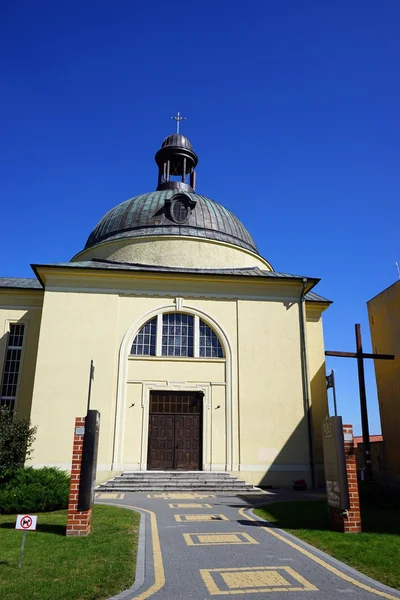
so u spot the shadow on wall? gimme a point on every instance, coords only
(295, 453)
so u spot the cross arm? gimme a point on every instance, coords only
(362, 355)
(342, 354)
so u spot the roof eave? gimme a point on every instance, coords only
(311, 282)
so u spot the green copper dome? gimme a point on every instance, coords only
(171, 212)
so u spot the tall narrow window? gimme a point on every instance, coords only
(144, 343)
(209, 344)
(177, 335)
(12, 365)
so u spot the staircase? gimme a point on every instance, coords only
(176, 481)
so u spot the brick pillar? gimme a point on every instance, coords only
(350, 523)
(78, 521)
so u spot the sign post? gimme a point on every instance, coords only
(89, 460)
(83, 474)
(25, 523)
(330, 383)
(341, 476)
(335, 464)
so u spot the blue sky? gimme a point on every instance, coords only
(292, 106)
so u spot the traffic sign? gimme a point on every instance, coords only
(26, 522)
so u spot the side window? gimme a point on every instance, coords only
(12, 365)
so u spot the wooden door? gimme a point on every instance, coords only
(187, 442)
(175, 431)
(161, 452)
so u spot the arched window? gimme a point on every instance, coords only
(144, 343)
(177, 334)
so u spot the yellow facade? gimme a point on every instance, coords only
(254, 421)
(383, 313)
(189, 253)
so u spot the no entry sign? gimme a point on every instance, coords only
(26, 522)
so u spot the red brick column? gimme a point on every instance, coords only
(350, 522)
(78, 521)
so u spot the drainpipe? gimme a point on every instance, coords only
(306, 381)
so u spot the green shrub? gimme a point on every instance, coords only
(16, 439)
(35, 490)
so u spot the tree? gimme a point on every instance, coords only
(16, 439)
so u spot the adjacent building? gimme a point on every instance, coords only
(384, 322)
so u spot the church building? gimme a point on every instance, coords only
(205, 357)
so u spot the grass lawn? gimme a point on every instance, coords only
(68, 568)
(375, 552)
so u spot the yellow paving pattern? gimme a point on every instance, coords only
(188, 496)
(217, 539)
(203, 517)
(109, 496)
(250, 580)
(192, 505)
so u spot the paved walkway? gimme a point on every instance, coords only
(197, 546)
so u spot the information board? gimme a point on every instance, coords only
(89, 460)
(337, 490)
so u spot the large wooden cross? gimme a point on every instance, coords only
(360, 355)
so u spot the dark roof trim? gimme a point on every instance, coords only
(21, 283)
(107, 265)
(313, 297)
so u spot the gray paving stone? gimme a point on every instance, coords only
(183, 563)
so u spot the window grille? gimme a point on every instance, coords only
(177, 335)
(209, 344)
(12, 365)
(144, 343)
(177, 402)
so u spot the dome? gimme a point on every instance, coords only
(171, 212)
(177, 140)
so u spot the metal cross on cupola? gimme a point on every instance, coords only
(178, 119)
(360, 355)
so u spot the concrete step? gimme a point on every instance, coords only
(187, 482)
(174, 487)
(184, 490)
(177, 474)
(176, 481)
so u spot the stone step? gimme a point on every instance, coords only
(177, 474)
(176, 481)
(184, 490)
(172, 486)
